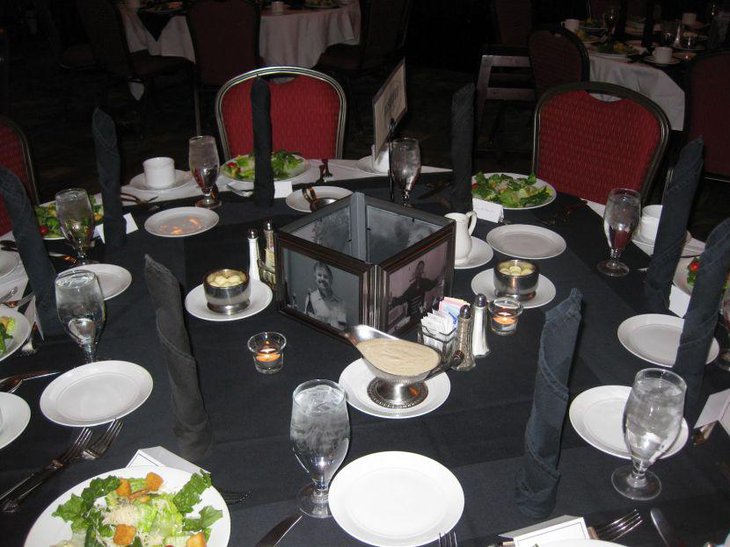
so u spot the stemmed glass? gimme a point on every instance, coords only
(652, 419)
(80, 306)
(320, 437)
(76, 218)
(724, 360)
(610, 16)
(405, 165)
(204, 163)
(620, 218)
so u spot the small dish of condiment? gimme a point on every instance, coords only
(516, 278)
(227, 291)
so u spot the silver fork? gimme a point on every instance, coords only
(12, 498)
(102, 444)
(448, 540)
(619, 527)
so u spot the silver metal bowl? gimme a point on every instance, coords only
(227, 300)
(520, 286)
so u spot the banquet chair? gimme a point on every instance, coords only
(585, 145)
(15, 156)
(557, 57)
(225, 36)
(308, 111)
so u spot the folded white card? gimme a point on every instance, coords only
(131, 226)
(717, 409)
(678, 301)
(486, 210)
(161, 457)
(554, 530)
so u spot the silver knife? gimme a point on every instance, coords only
(277, 533)
(666, 531)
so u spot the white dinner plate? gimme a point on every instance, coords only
(654, 337)
(680, 275)
(539, 184)
(197, 305)
(483, 282)
(297, 201)
(597, 416)
(182, 178)
(356, 377)
(50, 530)
(294, 173)
(8, 262)
(114, 280)
(19, 335)
(650, 59)
(396, 498)
(480, 254)
(526, 241)
(15, 417)
(96, 393)
(181, 222)
(366, 164)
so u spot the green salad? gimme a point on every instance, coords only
(511, 192)
(138, 513)
(7, 328)
(616, 48)
(283, 164)
(47, 216)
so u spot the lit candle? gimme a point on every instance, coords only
(267, 354)
(505, 318)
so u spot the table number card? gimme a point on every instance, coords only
(554, 530)
(161, 457)
(389, 104)
(717, 409)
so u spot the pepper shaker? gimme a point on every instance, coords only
(269, 249)
(253, 254)
(479, 345)
(463, 339)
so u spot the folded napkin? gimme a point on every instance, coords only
(108, 164)
(702, 315)
(462, 147)
(537, 479)
(155, 22)
(32, 249)
(263, 190)
(191, 424)
(671, 233)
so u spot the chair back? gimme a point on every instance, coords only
(557, 57)
(511, 82)
(15, 156)
(104, 26)
(585, 145)
(225, 37)
(384, 26)
(4, 71)
(512, 21)
(307, 112)
(707, 110)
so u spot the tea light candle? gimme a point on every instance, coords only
(504, 314)
(267, 350)
(267, 354)
(505, 318)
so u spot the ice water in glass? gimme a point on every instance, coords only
(80, 307)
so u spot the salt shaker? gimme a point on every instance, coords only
(463, 339)
(269, 249)
(253, 254)
(479, 345)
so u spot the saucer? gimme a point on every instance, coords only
(480, 254)
(182, 178)
(356, 377)
(16, 415)
(197, 305)
(650, 59)
(483, 282)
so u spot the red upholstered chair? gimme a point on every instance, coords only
(307, 112)
(557, 57)
(15, 156)
(585, 145)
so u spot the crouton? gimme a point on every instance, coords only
(124, 489)
(197, 540)
(124, 534)
(153, 481)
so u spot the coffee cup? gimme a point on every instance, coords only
(649, 222)
(571, 24)
(159, 173)
(663, 55)
(689, 19)
(277, 7)
(465, 224)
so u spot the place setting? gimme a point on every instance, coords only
(240, 171)
(160, 177)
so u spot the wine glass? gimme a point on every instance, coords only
(80, 306)
(652, 420)
(204, 163)
(320, 437)
(724, 360)
(405, 165)
(610, 16)
(620, 218)
(76, 218)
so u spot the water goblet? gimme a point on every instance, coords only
(80, 307)
(620, 218)
(204, 164)
(405, 165)
(652, 420)
(76, 219)
(610, 16)
(320, 437)
(724, 360)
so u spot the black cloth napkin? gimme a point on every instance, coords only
(191, 423)
(462, 147)
(702, 315)
(676, 208)
(155, 22)
(108, 164)
(537, 479)
(41, 274)
(263, 187)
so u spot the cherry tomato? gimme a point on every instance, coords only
(694, 266)
(43, 229)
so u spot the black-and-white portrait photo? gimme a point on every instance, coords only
(390, 233)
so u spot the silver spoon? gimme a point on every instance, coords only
(12, 383)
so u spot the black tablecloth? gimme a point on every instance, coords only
(478, 433)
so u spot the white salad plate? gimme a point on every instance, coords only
(182, 178)
(298, 202)
(8, 262)
(291, 175)
(181, 222)
(50, 530)
(356, 377)
(197, 305)
(526, 241)
(19, 335)
(14, 417)
(480, 254)
(647, 245)
(597, 416)
(654, 337)
(96, 393)
(366, 164)
(483, 282)
(539, 184)
(396, 498)
(114, 280)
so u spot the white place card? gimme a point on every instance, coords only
(717, 409)
(678, 301)
(554, 530)
(282, 188)
(486, 210)
(161, 457)
(131, 226)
